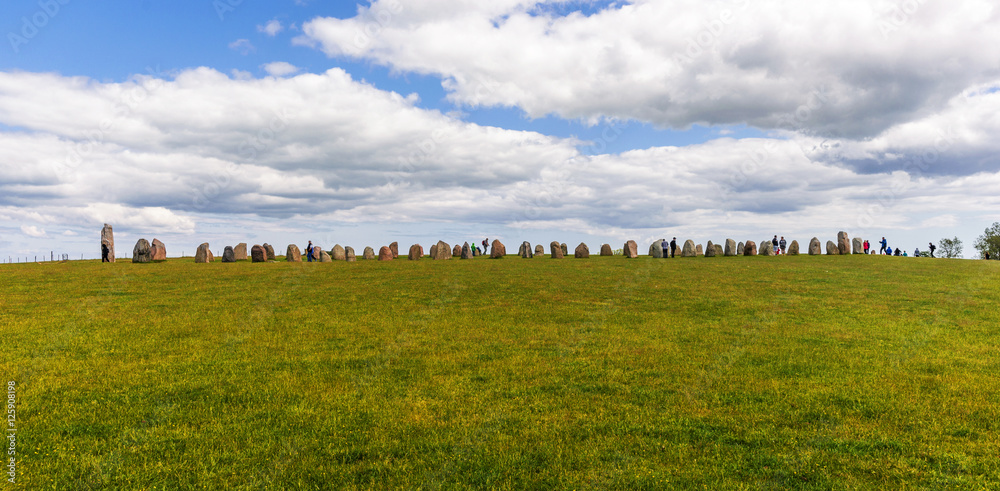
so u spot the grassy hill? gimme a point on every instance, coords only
(746, 373)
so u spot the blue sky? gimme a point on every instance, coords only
(600, 121)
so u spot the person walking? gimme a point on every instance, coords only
(866, 246)
(885, 245)
(105, 251)
(781, 245)
(932, 247)
(486, 244)
(666, 248)
(673, 247)
(309, 252)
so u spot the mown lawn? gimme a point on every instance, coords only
(720, 373)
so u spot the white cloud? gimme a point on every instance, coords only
(242, 46)
(70, 233)
(280, 68)
(271, 28)
(32, 231)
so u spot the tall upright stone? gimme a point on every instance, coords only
(730, 249)
(317, 253)
(349, 255)
(525, 250)
(293, 254)
(269, 250)
(385, 253)
(710, 249)
(565, 249)
(719, 251)
(158, 251)
(324, 257)
(456, 251)
(203, 254)
(843, 243)
(766, 248)
(240, 251)
(832, 249)
(466, 251)
(656, 249)
(539, 250)
(689, 250)
(581, 251)
(394, 247)
(858, 246)
(497, 250)
(556, 250)
(141, 253)
(750, 248)
(606, 250)
(815, 248)
(740, 249)
(416, 252)
(369, 253)
(108, 240)
(442, 251)
(258, 254)
(698, 250)
(228, 255)
(338, 253)
(631, 250)
(793, 248)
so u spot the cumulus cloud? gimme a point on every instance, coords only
(242, 46)
(271, 28)
(280, 68)
(859, 67)
(32, 231)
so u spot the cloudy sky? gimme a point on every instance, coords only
(234, 121)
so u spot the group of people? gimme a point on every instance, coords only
(889, 251)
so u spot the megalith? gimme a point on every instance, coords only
(442, 251)
(108, 241)
(730, 249)
(525, 250)
(416, 252)
(556, 249)
(466, 251)
(843, 243)
(858, 246)
(740, 249)
(565, 249)
(631, 249)
(815, 248)
(258, 254)
(293, 254)
(385, 253)
(203, 254)
(710, 249)
(240, 251)
(656, 249)
(750, 248)
(832, 249)
(228, 255)
(141, 253)
(349, 255)
(497, 250)
(394, 247)
(158, 251)
(582, 251)
(718, 250)
(540, 250)
(688, 250)
(368, 253)
(269, 250)
(606, 250)
(456, 251)
(793, 248)
(338, 253)
(324, 257)
(766, 248)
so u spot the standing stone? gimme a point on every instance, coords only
(740, 249)
(699, 251)
(211, 257)
(525, 250)
(710, 249)
(293, 254)
(564, 249)
(158, 251)
(793, 248)
(324, 257)
(443, 251)
(556, 249)
(466, 251)
(631, 249)
(202, 254)
(766, 248)
(269, 250)
(228, 255)
(689, 249)
(141, 252)
(416, 252)
(394, 247)
(582, 251)
(540, 250)
(814, 248)
(108, 239)
(349, 255)
(316, 253)
(656, 249)
(859, 246)
(369, 253)
(338, 253)
(843, 243)
(719, 251)
(258, 254)
(832, 249)
(750, 248)
(497, 250)
(606, 250)
(730, 249)
(240, 251)
(456, 251)
(385, 254)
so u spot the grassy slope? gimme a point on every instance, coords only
(809, 372)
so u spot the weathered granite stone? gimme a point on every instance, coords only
(606, 250)
(108, 239)
(338, 253)
(564, 248)
(349, 255)
(324, 257)
(240, 251)
(710, 249)
(525, 250)
(394, 247)
(843, 243)
(699, 250)
(316, 253)
(689, 250)
(815, 248)
(293, 254)
(719, 251)
(631, 249)
(228, 255)
(730, 249)
(369, 253)
(556, 249)
(540, 250)
(258, 254)
(269, 250)
(859, 245)
(416, 252)
(466, 251)
(141, 252)
(385, 254)
(456, 251)
(211, 257)
(157, 251)
(740, 248)
(793, 248)
(656, 249)
(766, 248)
(203, 254)
(497, 250)
(750, 248)
(582, 251)
(441, 252)
(832, 249)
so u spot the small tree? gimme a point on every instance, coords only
(989, 242)
(950, 248)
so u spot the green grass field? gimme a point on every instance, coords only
(700, 373)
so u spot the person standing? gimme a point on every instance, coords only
(916, 252)
(884, 246)
(673, 247)
(774, 245)
(666, 248)
(309, 252)
(781, 245)
(987, 256)
(866, 246)
(932, 247)
(105, 251)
